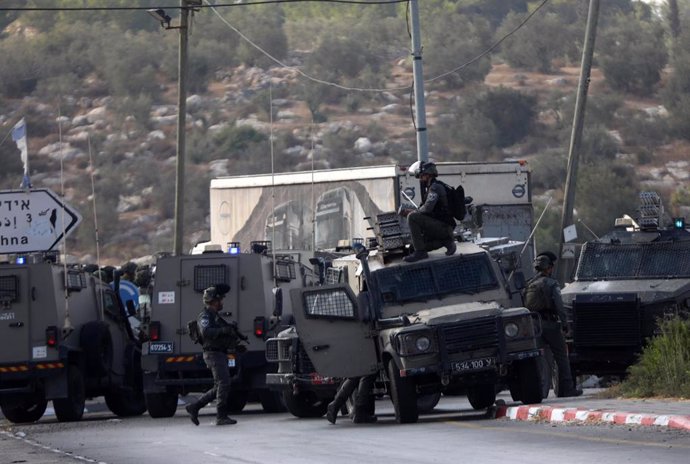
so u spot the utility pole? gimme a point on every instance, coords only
(178, 239)
(420, 108)
(563, 266)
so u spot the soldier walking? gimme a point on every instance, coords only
(217, 338)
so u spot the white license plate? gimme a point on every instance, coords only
(473, 364)
(160, 347)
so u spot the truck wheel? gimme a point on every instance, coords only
(271, 401)
(481, 396)
(237, 401)
(426, 403)
(24, 409)
(71, 409)
(97, 343)
(305, 404)
(404, 396)
(125, 402)
(529, 380)
(161, 404)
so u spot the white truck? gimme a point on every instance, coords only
(319, 209)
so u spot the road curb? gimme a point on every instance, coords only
(570, 415)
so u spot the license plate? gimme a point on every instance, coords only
(473, 364)
(231, 361)
(160, 347)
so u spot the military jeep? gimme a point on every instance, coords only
(65, 338)
(440, 324)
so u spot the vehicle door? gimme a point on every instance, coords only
(15, 298)
(333, 331)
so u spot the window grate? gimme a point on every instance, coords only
(9, 289)
(208, 276)
(329, 303)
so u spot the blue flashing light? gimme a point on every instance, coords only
(20, 260)
(679, 223)
(234, 250)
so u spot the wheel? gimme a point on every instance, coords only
(529, 381)
(305, 404)
(24, 409)
(426, 403)
(271, 401)
(161, 404)
(404, 396)
(481, 396)
(97, 343)
(237, 401)
(125, 402)
(71, 409)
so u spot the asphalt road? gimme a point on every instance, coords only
(453, 433)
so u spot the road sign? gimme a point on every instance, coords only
(34, 220)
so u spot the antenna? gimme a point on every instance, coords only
(273, 184)
(313, 194)
(95, 221)
(67, 327)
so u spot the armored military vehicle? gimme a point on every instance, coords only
(443, 323)
(173, 364)
(65, 337)
(624, 283)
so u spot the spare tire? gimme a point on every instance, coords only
(97, 344)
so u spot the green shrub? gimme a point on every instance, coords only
(664, 366)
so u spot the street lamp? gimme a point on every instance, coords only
(160, 15)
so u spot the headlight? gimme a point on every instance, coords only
(511, 329)
(423, 343)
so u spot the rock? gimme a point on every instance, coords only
(362, 145)
(96, 114)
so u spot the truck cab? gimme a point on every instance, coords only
(446, 323)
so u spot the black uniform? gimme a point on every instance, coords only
(364, 400)
(432, 225)
(543, 295)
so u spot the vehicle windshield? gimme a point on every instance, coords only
(430, 279)
(660, 260)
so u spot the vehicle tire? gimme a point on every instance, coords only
(427, 402)
(125, 402)
(481, 396)
(404, 396)
(161, 405)
(237, 401)
(25, 409)
(529, 380)
(71, 409)
(97, 344)
(271, 401)
(305, 404)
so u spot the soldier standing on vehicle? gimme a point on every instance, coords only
(363, 400)
(543, 296)
(217, 338)
(432, 225)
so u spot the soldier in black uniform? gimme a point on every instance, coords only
(432, 225)
(543, 295)
(218, 337)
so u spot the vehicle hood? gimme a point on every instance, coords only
(648, 290)
(456, 313)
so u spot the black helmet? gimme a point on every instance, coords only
(544, 260)
(423, 167)
(216, 292)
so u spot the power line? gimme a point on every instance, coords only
(178, 7)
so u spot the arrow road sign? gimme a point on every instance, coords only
(34, 220)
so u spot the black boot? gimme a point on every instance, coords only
(332, 411)
(225, 420)
(363, 418)
(450, 247)
(193, 411)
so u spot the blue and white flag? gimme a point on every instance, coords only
(19, 137)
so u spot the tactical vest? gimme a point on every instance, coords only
(537, 296)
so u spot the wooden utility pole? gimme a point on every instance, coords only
(178, 239)
(563, 266)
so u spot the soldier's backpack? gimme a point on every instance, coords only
(194, 332)
(536, 296)
(456, 201)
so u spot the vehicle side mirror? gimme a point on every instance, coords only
(131, 309)
(277, 302)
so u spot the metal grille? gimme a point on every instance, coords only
(607, 323)
(9, 288)
(329, 303)
(285, 271)
(634, 261)
(208, 276)
(334, 275)
(278, 349)
(75, 280)
(471, 335)
(304, 364)
(429, 279)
